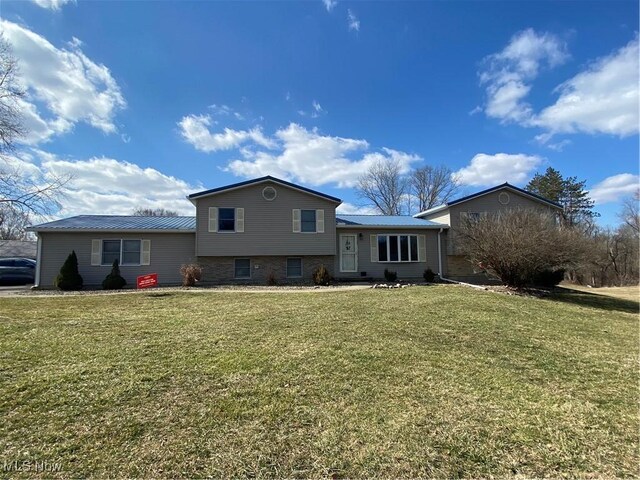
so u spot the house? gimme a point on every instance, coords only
(249, 231)
(491, 200)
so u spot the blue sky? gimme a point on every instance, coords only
(144, 102)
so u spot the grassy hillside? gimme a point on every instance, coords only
(428, 381)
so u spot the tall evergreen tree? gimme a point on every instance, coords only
(568, 192)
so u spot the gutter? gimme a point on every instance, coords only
(36, 282)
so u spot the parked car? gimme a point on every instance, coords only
(17, 271)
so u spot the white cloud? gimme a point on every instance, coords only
(53, 4)
(508, 73)
(602, 99)
(105, 185)
(195, 130)
(317, 109)
(614, 188)
(312, 158)
(354, 23)
(329, 4)
(347, 208)
(490, 170)
(70, 86)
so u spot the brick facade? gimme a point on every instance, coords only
(220, 270)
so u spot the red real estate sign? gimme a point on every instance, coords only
(146, 281)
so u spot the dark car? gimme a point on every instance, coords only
(17, 271)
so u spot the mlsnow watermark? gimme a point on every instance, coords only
(36, 466)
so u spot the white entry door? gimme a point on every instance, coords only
(348, 253)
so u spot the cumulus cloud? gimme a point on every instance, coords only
(507, 74)
(614, 188)
(195, 130)
(53, 4)
(489, 170)
(353, 22)
(106, 185)
(329, 4)
(63, 85)
(602, 99)
(309, 157)
(346, 208)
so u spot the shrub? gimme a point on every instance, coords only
(69, 278)
(516, 245)
(390, 276)
(321, 276)
(191, 273)
(114, 280)
(548, 278)
(271, 279)
(429, 276)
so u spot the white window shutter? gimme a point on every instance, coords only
(319, 221)
(422, 248)
(96, 252)
(145, 252)
(296, 220)
(240, 220)
(213, 219)
(463, 216)
(374, 247)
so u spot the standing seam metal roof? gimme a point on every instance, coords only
(119, 222)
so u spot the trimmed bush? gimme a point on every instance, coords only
(114, 280)
(321, 276)
(548, 278)
(69, 278)
(429, 276)
(390, 276)
(191, 273)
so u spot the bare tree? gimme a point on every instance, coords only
(11, 127)
(433, 186)
(13, 224)
(517, 245)
(384, 187)
(154, 212)
(21, 191)
(630, 212)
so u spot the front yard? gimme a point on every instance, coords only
(439, 381)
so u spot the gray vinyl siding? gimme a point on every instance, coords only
(412, 270)
(168, 252)
(489, 203)
(268, 225)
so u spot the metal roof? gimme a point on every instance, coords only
(214, 191)
(404, 221)
(484, 192)
(93, 223)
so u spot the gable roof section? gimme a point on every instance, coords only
(485, 192)
(268, 178)
(385, 221)
(118, 223)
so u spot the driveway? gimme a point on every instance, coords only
(8, 290)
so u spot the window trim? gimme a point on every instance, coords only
(235, 268)
(388, 252)
(287, 267)
(121, 252)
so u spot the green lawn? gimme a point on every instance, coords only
(440, 381)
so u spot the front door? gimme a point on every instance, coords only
(348, 253)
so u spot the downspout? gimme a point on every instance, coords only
(38, 262)
(439, 254)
